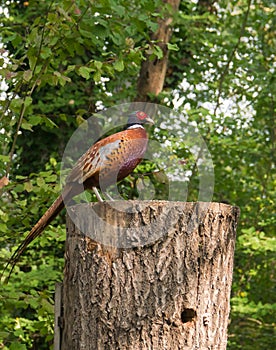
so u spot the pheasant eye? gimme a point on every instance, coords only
(141, 115)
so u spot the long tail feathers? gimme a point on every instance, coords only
(39, 227)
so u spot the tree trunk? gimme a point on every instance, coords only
(171, 290)
(153, 71)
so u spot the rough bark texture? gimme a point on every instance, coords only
(172, 293)
(153, 72)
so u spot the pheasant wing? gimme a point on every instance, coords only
(91, 163)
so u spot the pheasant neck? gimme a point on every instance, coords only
(135, 126)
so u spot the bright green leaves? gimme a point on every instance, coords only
(21, 331)
(119, 65)
(95, 67)
(59, 78)
(85, 72)
(157, 51)
(172, 47)
(46, 52)
(254, 240)
(154, 51)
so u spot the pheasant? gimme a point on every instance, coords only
(105, 163)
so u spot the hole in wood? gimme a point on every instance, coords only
(188, 315)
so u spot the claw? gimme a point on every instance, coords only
(97, 193)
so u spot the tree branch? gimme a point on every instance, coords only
(153, 71)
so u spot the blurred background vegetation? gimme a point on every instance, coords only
(61, 61)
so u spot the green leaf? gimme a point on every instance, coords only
(35, 119)
(119, 65)
(172, 47)
(70, 68)
(84, 72)
(32, 56)
(98, 64)
(51, 178)
(3, 227)
(40, 182)
(157, 51)
(4, 158)
(18, 346)
(28, 186)
(16, 104)
(28, 101)
(46, 52)
(27, 75)
(97, 76)
(50, 123)
(26, 126)
(87, 34)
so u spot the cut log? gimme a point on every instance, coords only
(165, 283)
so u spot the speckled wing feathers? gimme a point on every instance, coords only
(110, 159)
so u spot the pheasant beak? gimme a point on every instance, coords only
(150, 121)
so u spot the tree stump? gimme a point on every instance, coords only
(160, 278)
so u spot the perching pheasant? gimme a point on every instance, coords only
(105, 163)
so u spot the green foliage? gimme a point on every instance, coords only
(63, 60)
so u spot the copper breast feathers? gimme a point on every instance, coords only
(110, 160)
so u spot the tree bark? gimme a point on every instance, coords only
(171, 291)
(153, 71)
